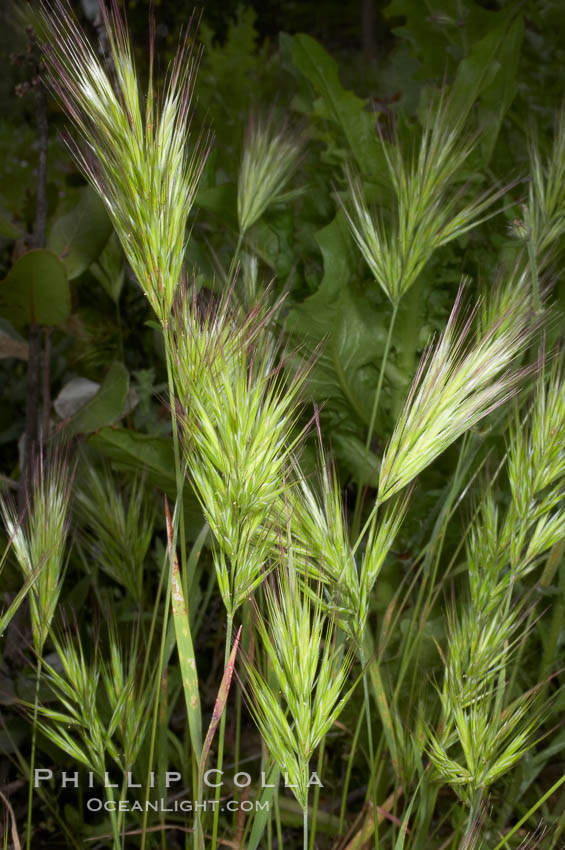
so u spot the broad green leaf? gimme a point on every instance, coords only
(428, 37)
(350, 450)
(152, 456)
(107, 406)
(138, 453)
(110, 269)
(221, 200)
(347, 110)
(337, 252)
(73, 396)
(489, 43)
(36, 290)
(271, 239)
(438, 33)
(78, 238)
(197, 260)
(488, 72)
(8, 230)
(351, 333)
(497, 97)
(316, 315)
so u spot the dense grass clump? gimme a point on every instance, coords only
(349, 622)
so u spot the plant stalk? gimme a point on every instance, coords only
(179, 484)
(305, 825)
(113, 820)
(376, 401)
(319, 766)
(372, 789)
(229, 627)
(32, 756)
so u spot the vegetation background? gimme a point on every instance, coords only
(82, 358)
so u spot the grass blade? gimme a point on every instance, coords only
(221, 700)
(185, 648)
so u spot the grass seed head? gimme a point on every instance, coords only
(39, 540)
(300, 693)
(429, 211)
(457, 384)
(116, 529)
(545, 211)
(239, 431)
(269, 159)
(139, 162)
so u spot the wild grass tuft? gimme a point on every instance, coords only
(303, 687)
(346, 573)
(482, 717)
(270, 157)
(285, 547)
(458, 383)
(138, 160)
(430, 209)
(38, 540)
(117, 528)
(238, 422)
(544, 214)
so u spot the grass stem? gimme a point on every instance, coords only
(229, 627)
(316, 803)
(376, 401)
(159, 675)
(305, 826)
(350, 761)
(534, 272)
(113, 819)
(32, 756)
(371, 790)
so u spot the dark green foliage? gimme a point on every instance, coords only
(283, 68)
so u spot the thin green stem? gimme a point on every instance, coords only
(376, 401)
(220, 760)
(534, 272)
(237, 743)
(120, 331)
(429, 571)
(235, 258)
(278, 822)
(305, 825)
(555, 787)
(113, 819)
(239, 700)
(388, 723)
(158, 678)
(371, 790)
(350, 766)
(472, 820)
(123, 790)
(179, 484)
(32, 756)
(179, 470)
(319, 767)
(270, 833)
